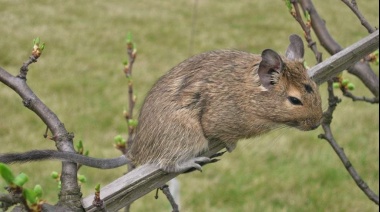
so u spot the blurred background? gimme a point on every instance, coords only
(79, 76)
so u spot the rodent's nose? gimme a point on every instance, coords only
(314, 127)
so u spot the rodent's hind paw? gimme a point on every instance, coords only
(198, 162)
(193, 164)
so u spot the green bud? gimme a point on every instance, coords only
(345, 82)
(38, 191)
(118, 139)
(54, 175)
(97, 188)
(336, 85)
(351, 86)
(30, 196)
(20, 179)
(132, 122)
(86, 153)
(82, 178)
(6, 173)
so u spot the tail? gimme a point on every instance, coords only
(37, 155)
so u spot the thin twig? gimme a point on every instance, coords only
(328, 136)
(165, 189)
(354, 8)
(24, 68)
(306, 27)
(354, 98)
(131, 98)
(131, 52)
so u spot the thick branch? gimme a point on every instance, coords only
(136, 184)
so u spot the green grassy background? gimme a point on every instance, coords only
(79, 76)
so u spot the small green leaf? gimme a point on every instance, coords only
(36, 41)
(307, 15)
(20, 179)
(288, 4)
(42, 47)
(6, 173)
(79, 145)
(30, 196)
(86, 153)
(38, 191)
(129, 38)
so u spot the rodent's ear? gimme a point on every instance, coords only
(270, 68)
(295, 49)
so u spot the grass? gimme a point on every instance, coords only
(79, 77)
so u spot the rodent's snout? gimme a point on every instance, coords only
(315, 124)
(313, 127)
(309, 124)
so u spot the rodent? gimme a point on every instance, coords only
(222, 95)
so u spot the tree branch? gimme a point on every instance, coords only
(70, 191)
(361, 70)
(165, 189)
(354, 8)
(354, 98)
(328, 136)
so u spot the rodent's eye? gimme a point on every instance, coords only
(294, 100)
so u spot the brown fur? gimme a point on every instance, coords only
(218, 96)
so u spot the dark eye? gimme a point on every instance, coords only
(294, 100)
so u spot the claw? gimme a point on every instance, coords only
(218, 154)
